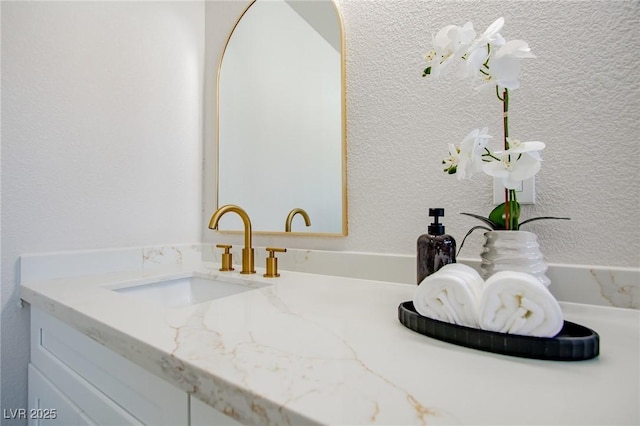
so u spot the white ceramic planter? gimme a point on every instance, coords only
(513, 251)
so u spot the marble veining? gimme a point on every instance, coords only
(156, 259)
(326, 361)
(616, 289)
(317, 349)
(162, 255)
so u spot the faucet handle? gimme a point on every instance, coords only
(272, 262)
(227, 264)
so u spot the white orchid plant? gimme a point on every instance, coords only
(490, 61)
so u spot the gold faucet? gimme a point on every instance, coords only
(247, 251)
(292, 213)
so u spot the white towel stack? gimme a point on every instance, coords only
(451, 295)
(508, 302)
(518, 303)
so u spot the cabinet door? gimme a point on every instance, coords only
(50, 407)
(101, 382)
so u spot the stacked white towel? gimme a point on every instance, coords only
(508, 302)
(518, 303)
(451, 295)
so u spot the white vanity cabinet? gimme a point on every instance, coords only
(73, 380)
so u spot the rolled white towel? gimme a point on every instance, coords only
(451, 294)
(518, 303)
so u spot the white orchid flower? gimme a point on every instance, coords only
(475, 60)
(449, 44)
(470, 155)
(520, 162)
(491, 36)
(505, 66)
(451, 162)
(479, 51)
(504, 73)
(532, 148)
(515, 49)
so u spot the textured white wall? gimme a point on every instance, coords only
(581, 96)
(101, 138)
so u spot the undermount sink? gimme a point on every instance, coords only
(185, 290)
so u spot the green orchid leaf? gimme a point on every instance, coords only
(489, 222)
(544, 217)
(469, 233)
(498, 216)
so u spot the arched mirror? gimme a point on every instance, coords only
(281, 119)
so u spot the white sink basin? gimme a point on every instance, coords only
(184, 291)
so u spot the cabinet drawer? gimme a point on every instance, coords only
(57, 350)
(49, 406)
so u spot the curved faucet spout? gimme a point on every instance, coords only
(292, 213)
(247, 251)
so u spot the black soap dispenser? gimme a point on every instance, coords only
(435, 249)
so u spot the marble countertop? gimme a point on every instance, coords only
(314, 349)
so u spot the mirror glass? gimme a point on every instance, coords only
(281, 119)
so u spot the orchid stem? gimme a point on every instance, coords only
(508, 195)
(505, 115)
(490, 155)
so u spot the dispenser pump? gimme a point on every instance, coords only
(436, 228)
(435, 248)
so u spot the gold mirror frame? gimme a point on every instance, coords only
(343, 135)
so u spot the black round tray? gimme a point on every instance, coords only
(574, 342)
